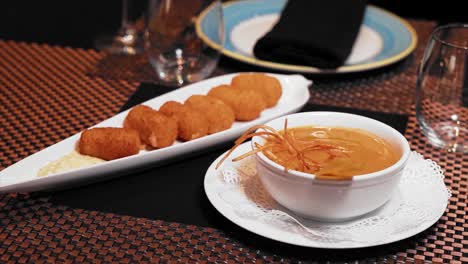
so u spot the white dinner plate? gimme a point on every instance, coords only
(383, 39)
(236, 192)
(21, 176)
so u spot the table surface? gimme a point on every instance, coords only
(48, 93)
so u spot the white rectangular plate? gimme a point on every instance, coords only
(21, 176)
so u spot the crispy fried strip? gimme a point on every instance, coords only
(287, 141)
(245, 155)
(249, 134)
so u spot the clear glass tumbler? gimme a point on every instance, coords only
(185, 39)
(442, 88)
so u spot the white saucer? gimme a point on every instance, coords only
(237, 193)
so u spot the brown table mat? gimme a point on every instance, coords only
(46, 96)
(386, 90)
(32, 229)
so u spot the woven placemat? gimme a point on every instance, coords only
(124, 67)
(32, 229)
(391, 89)
(46, 96)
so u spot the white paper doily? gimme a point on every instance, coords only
(237, 193)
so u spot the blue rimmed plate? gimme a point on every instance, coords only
(384, 38)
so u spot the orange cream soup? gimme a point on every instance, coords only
(334, 152)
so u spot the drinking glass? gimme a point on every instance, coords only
(185, 39)
(130, 38)
(442, 88)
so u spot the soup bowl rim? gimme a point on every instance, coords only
(391, 170)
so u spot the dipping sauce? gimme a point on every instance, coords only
(330, 152)
(71, 161)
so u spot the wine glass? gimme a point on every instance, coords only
(130, 38)
(185, 39)
(442, 88)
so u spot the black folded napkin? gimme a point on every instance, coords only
(313, 33)
(173, 192)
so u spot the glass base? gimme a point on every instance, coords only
(128, 43)
(445, 135)
(183, 71)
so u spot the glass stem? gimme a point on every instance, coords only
(124, 22)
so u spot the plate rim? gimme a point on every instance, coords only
(309, 69)
(226, 213)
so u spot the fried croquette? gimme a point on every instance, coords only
(247, 104)
(251, 105)
(191, 122)
(155, 129)
(268, 86)
(225, 93)
(109, 143)
(172, 108)
(219, 115)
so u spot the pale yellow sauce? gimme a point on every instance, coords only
(69, 162)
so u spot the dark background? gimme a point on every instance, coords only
(78, 23)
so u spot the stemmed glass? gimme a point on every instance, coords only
(442, 88)
(185, 38)
(130, 38)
